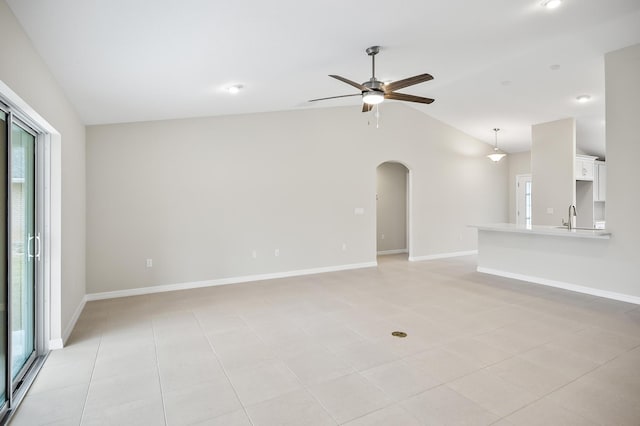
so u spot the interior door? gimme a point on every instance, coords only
(523, 200)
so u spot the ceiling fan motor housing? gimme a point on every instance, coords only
(373, 50)
(374, 84)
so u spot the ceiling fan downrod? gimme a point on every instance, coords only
(373, 51)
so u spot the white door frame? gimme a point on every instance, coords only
(520, 203)
(50, 221)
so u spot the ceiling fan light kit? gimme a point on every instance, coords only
(373, 98)
(374, 91)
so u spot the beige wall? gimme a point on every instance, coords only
(24, 72)
(198, 196)
(622, 69)
(391, 207)
(519, 164)
(553, 152)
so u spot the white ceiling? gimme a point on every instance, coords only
(134, 60)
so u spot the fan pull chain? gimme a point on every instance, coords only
(377, 116)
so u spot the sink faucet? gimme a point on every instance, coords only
(573, 217)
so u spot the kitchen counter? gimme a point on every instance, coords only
(548, 255)
(555, 231)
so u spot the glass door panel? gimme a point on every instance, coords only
(24, 249)
(3, 257)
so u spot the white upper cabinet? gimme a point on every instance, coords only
(584, 169)
(600, 181)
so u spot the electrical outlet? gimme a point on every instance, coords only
(149, 263)
(382, 236)
(277, 252)
(254, 254)
(549, 210)
(344, 246)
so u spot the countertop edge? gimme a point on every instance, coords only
(544, 230)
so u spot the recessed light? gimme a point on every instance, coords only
(551, 4)
(554, 67)
(583, 98)
(506, 83)
(234, 89)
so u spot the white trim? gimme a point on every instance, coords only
(443, 255)
(55, 344)
(518, 177)
(52, 214)
(73, 321)
(223, 281)
(410, 245)
(396, 251)
(560, 284)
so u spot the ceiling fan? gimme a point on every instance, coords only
(375, 91)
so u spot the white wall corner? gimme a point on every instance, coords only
(59, 343)
(53, 234)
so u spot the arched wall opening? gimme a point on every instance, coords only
(393, 208)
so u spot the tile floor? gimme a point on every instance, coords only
(318, 350)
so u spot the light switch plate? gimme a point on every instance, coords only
(358, 211)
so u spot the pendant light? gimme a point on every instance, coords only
(496, 155)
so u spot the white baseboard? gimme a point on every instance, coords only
(443, 255)
(566, 286)
(223, 281)
(55, 344)
(59, 343)
(396, 251)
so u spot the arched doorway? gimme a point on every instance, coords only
(393, 188)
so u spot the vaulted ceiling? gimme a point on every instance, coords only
(496, 63)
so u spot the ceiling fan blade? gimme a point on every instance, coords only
(334, 97)
(366, 107)
(409, 98)
(395, 85)
(352, 83)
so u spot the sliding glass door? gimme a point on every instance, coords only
(19, 256)
(25, 247)
(4, 140)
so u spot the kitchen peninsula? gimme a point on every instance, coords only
(548, 255)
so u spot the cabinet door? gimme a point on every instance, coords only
(578, 169)
(584, 169)
(602, 182)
